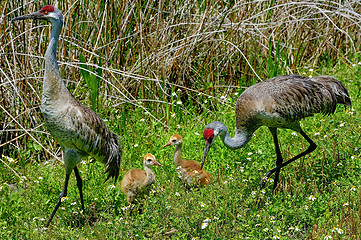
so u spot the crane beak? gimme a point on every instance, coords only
(207, 146)
(167, 144)
(35, 16)
(157, 163)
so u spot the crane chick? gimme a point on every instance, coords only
(137, 182)
(189, 171)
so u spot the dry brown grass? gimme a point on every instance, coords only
(148, 49)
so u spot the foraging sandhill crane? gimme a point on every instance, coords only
(279, 102)
(137, 182)
(79, 130)
(189, 171)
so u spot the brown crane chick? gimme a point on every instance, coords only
(189, 171)
(137, 182)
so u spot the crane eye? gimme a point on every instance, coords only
(174, 140)
(149, 160)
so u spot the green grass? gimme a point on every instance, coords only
(235, 205)
(148, 56)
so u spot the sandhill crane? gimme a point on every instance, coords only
(79, 130)
(137, 182)
(188, 171)
(279, 102)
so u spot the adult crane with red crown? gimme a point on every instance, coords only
(279, 102)
(79, 130)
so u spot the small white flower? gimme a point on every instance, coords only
(167, 207)
(179, 102)
(136, 145)
(223, 97)
(236, 93)
(173, 115)
(311, 198)
(177, 194)
(353, 188)
(205, 101)
(306, 207)
(294, 134)
(124, 208)
(73, 203)
(64, 198)
(250, 153)
(40, 178)
(202, 204)
(339, 164)
(196, 133)
(207, 220)
(174, 94)
(178, 126)
(327, 237)
(253, 192)
(276, 237)
(342, 124)
(316, 134)
(142, 120)
(204, 225)
(346, 204)
(297, 229)
(111, 187)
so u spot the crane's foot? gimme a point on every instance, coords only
(264, 180)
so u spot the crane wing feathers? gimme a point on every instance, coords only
(295, 97)
(90, 135)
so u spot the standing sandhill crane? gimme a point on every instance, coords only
(279, 102)
(79, 130)
(137, 182)
(189, 171)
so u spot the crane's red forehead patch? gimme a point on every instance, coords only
(208, 133)
(47, 8)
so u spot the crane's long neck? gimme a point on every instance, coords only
(177, 155)
(240, 139)
(150, 176)
(53, 85)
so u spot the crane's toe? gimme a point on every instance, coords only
(264, 180)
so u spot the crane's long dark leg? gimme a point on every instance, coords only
(279, 160)
(310, 149)
(79, 183)
(62, 194)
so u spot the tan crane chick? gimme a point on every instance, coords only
(137, 182)
(189, 171)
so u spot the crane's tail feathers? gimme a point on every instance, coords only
(115, 156)
(336, 88)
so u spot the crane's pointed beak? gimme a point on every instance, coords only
(167, 144)
(207, 146)
(35, 15)
(157, 163)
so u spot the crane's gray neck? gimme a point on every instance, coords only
(53, 83)
(240, 139)
(150, 176)
(177, 155)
